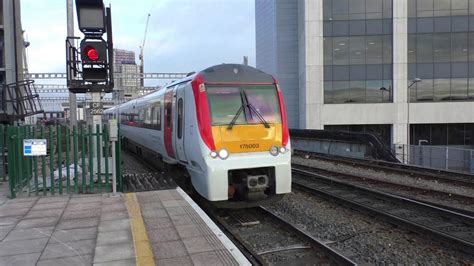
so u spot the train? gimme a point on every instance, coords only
(225, 125)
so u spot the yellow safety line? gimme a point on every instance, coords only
(143, 252)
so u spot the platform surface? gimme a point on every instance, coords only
(157, 227)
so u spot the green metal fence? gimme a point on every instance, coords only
(3, 153)
(77, 160)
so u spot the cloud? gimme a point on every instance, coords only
(183, 35)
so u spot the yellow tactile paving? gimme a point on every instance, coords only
(143, 252)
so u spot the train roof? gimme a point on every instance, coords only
(230, 73)
(218, 74)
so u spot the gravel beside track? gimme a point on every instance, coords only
(132, 165)
(362, 238)
(401, 179)
(141, 176)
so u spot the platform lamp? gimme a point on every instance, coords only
(415, 80)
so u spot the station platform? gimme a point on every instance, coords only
(147, 228)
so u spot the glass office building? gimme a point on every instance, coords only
(349, 64)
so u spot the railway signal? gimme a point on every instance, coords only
(94, 60)
(90, 67)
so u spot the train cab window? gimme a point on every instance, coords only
(225, 102)
(265, 101)
(180, 118)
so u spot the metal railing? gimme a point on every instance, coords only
(438, 157)
(77, 160)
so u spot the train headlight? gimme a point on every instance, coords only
(223, 154)
(213, 154)
(283, 150)
(274, 150)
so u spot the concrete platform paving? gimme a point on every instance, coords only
(105, 230)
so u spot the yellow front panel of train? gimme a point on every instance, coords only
(247, 138)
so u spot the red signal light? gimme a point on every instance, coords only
(91, 53)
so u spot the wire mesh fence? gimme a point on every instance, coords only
(438, 157)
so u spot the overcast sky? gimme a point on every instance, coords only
(183, 35)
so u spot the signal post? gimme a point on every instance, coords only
(89, 68)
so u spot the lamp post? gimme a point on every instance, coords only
(389, 90)
(415, 80)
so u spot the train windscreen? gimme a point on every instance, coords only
(243, 105)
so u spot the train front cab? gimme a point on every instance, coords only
(247, 149)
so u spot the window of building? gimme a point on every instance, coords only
(441, 49)
(357, 51)
(442, 134)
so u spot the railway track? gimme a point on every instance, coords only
(284, 243)
(268, 239)
(415, 192)
(442, 224)
(399, 168)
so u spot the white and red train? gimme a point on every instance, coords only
(226, 125)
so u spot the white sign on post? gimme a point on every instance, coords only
(34, 147)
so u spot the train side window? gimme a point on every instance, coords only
(141, 116)
(180, 118)
(148, 116)
(152, 117)
(158, 116)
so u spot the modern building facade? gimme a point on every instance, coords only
(350, 64)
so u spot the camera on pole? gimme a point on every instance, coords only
(90, 67)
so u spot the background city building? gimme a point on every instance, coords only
(127, 84)
(12, 50)
(349, 64)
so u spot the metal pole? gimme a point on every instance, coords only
(114, 170)
(96, 129)
(408, 125)
(70, 33)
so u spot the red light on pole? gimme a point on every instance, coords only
(91, 53)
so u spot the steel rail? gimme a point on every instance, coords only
(407, 187)
(412, 214)
(411, 170)
(334, 255)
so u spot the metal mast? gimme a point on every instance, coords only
(141, 57)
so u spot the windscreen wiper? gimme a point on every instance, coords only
(260, 117)
(236, 116)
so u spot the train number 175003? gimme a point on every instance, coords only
(249, 146)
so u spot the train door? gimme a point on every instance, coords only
(168, 123)
(180, 127)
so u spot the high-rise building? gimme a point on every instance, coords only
(401, 68)
(127, 84)
(11, 52)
